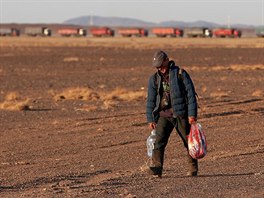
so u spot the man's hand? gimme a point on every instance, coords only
(152, 125)
(192, 120)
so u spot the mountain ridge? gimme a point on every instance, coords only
(131, 22)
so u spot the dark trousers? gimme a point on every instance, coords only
(164, 128)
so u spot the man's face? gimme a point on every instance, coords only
(164, 67)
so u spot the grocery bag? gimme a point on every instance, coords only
(197, 145)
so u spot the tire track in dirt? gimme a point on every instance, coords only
(95, 182)
(56, 181)
(100, 124)
(259, 149)
(232, 102)
(229, 108)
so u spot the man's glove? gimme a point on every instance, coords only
(152, 125)
(192, 120)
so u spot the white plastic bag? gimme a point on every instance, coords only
(197, 145)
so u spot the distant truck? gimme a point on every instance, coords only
(37, 31)
(9, 32)
(227, 32)
(78, 32)
(167, 31)
(260, 32)
(198, 32)
(102, 32)
(129, 32)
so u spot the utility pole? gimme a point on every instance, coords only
(228, 21)
(1, 9)
(91, 19)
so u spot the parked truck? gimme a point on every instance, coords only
(37, 31)
(128, 32)
(260, 32)
(167, 31)
(102, 32)
(227, 32)
(9, 32)
(198, 32)
(78, 32)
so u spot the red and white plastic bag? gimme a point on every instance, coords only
(197, 145)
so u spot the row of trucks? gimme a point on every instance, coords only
(129, 32)
(167, 32)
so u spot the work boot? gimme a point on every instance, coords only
(155, 171)
(192, 174)
(155, 168)
(192, 166)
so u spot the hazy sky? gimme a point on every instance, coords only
(248, 12)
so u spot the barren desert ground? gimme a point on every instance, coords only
(73, 120)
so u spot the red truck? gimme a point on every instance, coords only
(194, 32)
(167, 31)
(227, 32)
(102, 32)
(37, 31)
(260, 32)
(72, 32)
(9, 32)
(128, 32)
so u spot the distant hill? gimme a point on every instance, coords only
(190, 24)
(108, 21)
(130, 22)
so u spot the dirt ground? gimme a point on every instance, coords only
(73, 120)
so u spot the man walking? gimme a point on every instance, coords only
(171, 103)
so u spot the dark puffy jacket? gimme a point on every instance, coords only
(182, 93)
